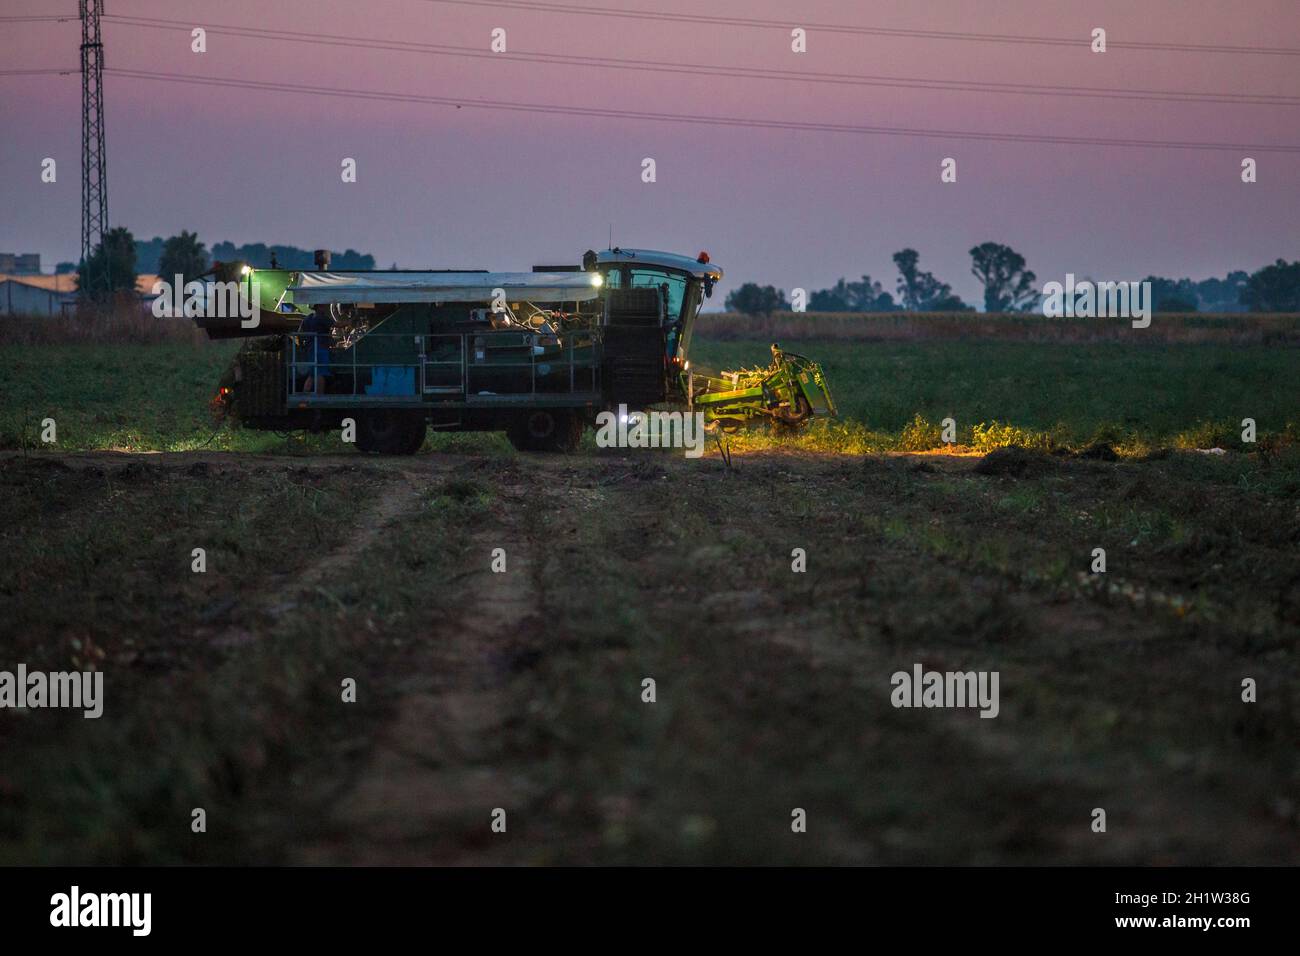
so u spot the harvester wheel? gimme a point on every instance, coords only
(414, 436)
(390, 432)
(546, 429)
(788, 420)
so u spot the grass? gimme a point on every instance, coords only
(142, 397)
(1165, 329)
(892, 395)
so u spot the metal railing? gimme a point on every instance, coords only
(447, 365)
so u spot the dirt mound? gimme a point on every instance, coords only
(138, 471)
(37, 464)
(1016, 462)
(1101, 451)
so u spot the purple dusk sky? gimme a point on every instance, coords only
(442, 187)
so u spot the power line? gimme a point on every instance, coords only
(696, 19)
(752, 123)
(842, 79)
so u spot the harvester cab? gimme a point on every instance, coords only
(652, 300)
(683, 283)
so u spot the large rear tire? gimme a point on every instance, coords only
(546, 429)
(390, 431)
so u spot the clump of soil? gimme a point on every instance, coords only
(34, 463)
(137, 471)
(1015, 461)
(1101, 451)
(459, 489)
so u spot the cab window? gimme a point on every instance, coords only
(653, 279)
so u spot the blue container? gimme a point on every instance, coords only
(391, 380)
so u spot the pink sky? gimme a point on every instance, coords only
(442, 187)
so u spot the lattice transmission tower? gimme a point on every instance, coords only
(94, 185)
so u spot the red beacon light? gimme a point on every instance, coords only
(703, 259)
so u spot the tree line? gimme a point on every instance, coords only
(119, 258)
(1010, 286)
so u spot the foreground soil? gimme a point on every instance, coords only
(525, 690)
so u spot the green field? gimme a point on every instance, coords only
(154, 397)
(1072, 395)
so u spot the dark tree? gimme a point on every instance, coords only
(110, 269)
(183, 255)
(753, 299)
(921, 291)
(1172, 295)
(147, 254)
(1008, 285)
(864, 296)
(1274, 288)
(258, 255)
(1222, 295)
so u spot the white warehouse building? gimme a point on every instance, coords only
(54, 295)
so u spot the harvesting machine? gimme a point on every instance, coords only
(537, 354)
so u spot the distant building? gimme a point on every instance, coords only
(24, 264)
(37, 295)
(55, 295)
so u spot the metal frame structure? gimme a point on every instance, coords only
(301, 362)
(94, 183)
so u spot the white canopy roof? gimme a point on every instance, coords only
(669, 260)
(316, 288)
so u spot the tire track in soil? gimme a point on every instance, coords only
(280, 593)
(433, 774)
